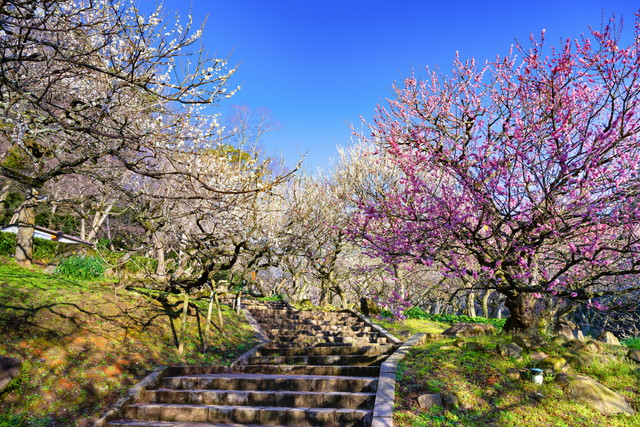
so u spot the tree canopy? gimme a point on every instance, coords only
(520, 173)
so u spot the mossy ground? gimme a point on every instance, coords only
(83, 343)
(491, 391)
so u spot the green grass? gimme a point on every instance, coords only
(84, 343)
(418, 313)
(412, 326)
(632, 343)
(80, 267)
(492, 393)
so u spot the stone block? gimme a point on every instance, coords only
(9, 369)
(246, 415)
(272, 416)
(428, 401)
(322, 416)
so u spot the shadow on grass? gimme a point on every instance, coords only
(85, 345)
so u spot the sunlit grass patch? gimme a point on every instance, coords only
(496, 390)
(633, 343)
(411, 326)
(84, 343)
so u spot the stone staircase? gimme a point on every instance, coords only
(318, 369)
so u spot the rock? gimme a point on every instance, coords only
(528, 341)
(50, 269)
(469, 330)
(428, 401)
(634, 355)
(449, 348)
(594, 346)
(509, 350)
(579, 335)
(590, 346)
(404, 333)
(538, 355)
(580, 357)
(474, 346)
(553, 364)
(451, 401)
(514, 374)
(559, 340)
(431, 336)
(565, 328)
(608, 338)
(9, 369)
(368, 307)
(459, 343)
(594, 394)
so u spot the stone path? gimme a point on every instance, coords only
(319, 369)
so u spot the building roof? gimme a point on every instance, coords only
(45, 233)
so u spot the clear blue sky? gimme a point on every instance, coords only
(320, 65)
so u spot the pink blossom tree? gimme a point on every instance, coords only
(522, 172)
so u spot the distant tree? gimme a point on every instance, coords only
(522, 172)
(90, 86)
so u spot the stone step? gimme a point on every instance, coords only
(326, 351)
(285, 345)
(317, 370)
(323, 343)
(249, 414)
(260, 398)
(348, 360)
(288, 321)
(300, 316)
(336, 370)
(271, 313)
(176, 424)
(310, 327)
(327, 334)
(319, 330)
(309, 339)
(283, 382)
(284, 323)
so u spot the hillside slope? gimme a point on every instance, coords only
(83, 344)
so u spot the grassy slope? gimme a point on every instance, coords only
(489, 393)
(84, 343)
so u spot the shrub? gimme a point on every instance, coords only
(7, 244)
(45, 250)
(632, 343)
(137, 264)
(276, 297)
(418, 313)
(80, 267)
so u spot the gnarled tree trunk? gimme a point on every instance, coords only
(522, 316)
(24, 238)
(485, 303)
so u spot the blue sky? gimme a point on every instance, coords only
(321, 65)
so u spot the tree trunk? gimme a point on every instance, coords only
(4, 193)
(485, 303)
(183, 328)
(219, 311)
(161, 269)
(98, 219)
(342, 296)
(208, 325)
(24, 238)
(83, 228)
(471, 304)
(436, 307)
(499, 308)
(522, 316)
